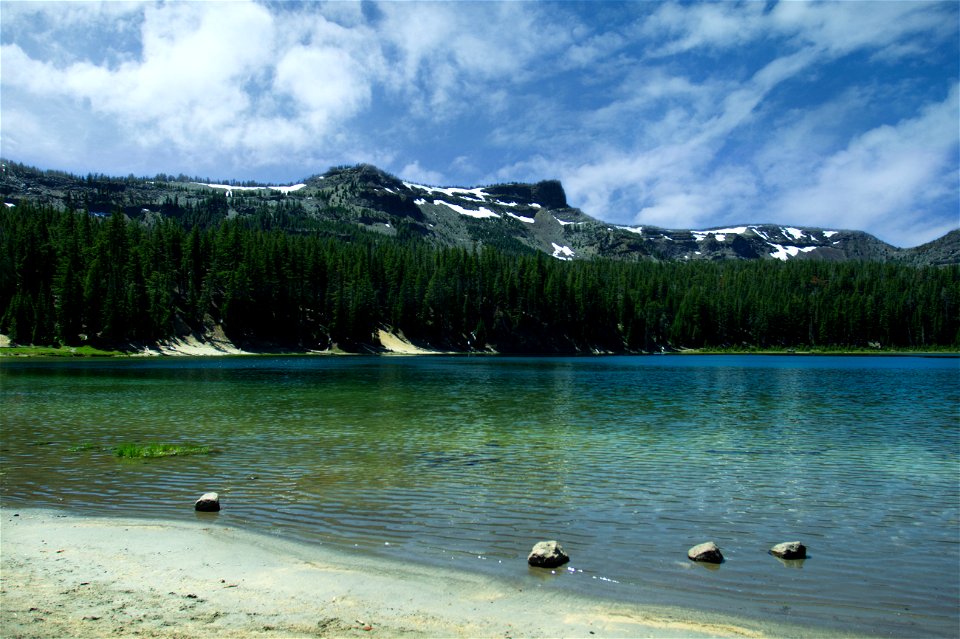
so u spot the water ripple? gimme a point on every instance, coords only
(628, 461)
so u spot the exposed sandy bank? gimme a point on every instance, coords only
(397, 344)
(213, 342)
(64, 575)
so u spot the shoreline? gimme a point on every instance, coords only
(73, 575)
(67, 353)
(216, 344)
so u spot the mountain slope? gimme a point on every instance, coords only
(514, 217)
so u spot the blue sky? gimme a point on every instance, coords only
(680, 115)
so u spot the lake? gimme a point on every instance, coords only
(468, 461)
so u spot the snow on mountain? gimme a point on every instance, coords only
(562, 252)
(478, 213)
(230, 188)
(478, 195)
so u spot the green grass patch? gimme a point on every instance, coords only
(138, 451)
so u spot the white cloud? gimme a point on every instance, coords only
(703, 25)
(325, 82)
(67, 32)
(413, 172)
(834, 28)
(448, 54)
(669, 180)
(65, 14)
(889, 179)
(891, 28)
(672, 114)
(880, 175)
(695, 162)
(195, 87)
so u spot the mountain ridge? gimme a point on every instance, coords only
(513, 216)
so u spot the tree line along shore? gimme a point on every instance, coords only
(70, 278)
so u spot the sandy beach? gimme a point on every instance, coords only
(65, 575)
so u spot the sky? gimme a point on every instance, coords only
(678, 115)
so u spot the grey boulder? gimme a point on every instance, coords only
(706, 552)
(208, 503)
(789, 550)
(547, 554)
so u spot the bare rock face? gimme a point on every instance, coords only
(547, 554)
(789, 550)
(706, 552)
(208, 503)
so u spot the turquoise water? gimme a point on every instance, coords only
(628, 461)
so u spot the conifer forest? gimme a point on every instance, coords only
(275, 282)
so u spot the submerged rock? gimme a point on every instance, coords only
(547, 554)
(706, 552)
(789, 550)
(208, 503)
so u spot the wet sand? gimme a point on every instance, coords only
(65, 575)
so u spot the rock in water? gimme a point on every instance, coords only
(208, 503)
(547, 554)
(789, 550)
(706, 552)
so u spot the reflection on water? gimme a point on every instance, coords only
(628, 461)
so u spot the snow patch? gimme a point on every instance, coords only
(786, 252)
(562, 252)
(230, 189)
(796, 234)
(633, 229)
(719, 234)
(525, 220)
(287, 189)
(479, 213)
(419, 201)
(9, 205)
(734, 231)
(829, 234)
(477, 195)
(561, 222)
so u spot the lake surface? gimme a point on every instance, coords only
(628, 461)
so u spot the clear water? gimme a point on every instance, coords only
(628, 461)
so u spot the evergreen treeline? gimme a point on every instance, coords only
(66, 276)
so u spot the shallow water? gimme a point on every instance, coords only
(628, 461)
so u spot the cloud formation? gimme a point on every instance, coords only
(678, 115)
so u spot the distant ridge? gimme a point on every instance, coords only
(514, 217)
